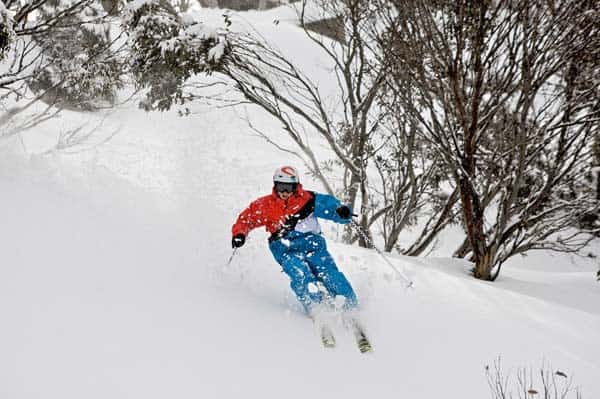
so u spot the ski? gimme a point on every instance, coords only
(362, 342)
(327, 337)
(320, 319)
(325, 314)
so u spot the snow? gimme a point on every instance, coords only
(115, 284)
(216, 52)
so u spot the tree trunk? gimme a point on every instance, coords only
(483, 266)
(474, 220)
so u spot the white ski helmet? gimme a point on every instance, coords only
(286, 174)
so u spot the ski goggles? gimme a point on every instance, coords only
(285, 187)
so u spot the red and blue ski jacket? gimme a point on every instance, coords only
(275, 214)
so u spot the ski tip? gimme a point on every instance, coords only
(329, 345)
(365, 347)
(327, 337)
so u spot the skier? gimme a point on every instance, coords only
(290, 214)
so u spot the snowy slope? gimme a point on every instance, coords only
(114, 284)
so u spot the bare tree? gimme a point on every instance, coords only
(267, 78)
(543, 383)
(494, 87)
(377, 152)
(412, 180)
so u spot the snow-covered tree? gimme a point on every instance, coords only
(84, 70)
(497, 89)
(57, 53)
(167, 49)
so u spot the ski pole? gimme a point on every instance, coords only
(359, 230)
(231, 257)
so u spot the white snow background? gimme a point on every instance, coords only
(114, 284)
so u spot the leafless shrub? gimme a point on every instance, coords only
(526, 383)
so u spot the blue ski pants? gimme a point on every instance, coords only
(305, 259)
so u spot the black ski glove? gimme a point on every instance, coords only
(344, 212)
(238, 240)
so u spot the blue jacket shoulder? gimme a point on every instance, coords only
(325, 206)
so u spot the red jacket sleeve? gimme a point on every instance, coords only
(249, 219)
